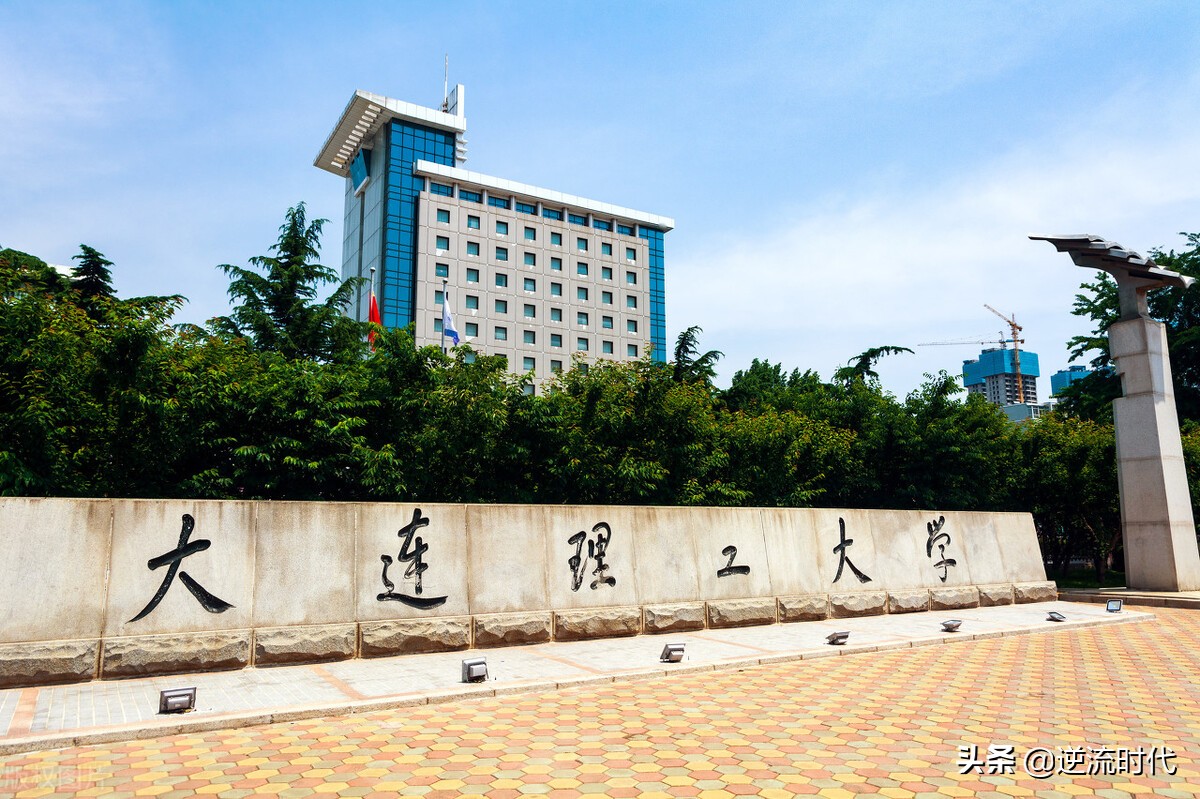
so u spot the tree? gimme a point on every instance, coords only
(276, 307)
(91, 276)
(22, 270)
(689, 365)
(862, 366)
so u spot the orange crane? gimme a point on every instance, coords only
(1017, 341)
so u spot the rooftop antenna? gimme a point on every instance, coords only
(446, 86)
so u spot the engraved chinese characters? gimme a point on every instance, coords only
(939, 539)
(209, 602)
(412, 553)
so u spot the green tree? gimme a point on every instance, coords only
(91, 277)
(862, 366)
(20, 270)
(689, 365)
(276, 305)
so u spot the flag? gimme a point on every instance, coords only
(448, 321)
(373, 316)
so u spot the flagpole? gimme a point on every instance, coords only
(445, 299)
(371, 290)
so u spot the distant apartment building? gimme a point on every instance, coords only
(1065, 377)
(994, 375)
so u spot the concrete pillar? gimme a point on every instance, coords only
(1161, 553)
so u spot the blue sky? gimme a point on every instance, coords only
(842, 175)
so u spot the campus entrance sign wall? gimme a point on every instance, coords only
(110, 588)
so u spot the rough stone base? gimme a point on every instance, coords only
(804, 607)
(408, 636)
(575, 625)
(304, 644)
(992, 595)
(862, 603)
(676, 617)
(510, 629)
(908, 601)
(741, 612)
(171, 654)
(48, 662)
(1035, 592)
(952, 598)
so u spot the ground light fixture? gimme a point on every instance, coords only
(1114, 605)
(838, 638)
(1056, 616)
(951, 625)
(474, 670)
(672, 653)
(177, 700)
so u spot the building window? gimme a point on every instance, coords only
(528, 390)
(473, 222)
(468, 357)
(606, 273)
(556, 264)
(556, 314)
(443, 242)
(441, 270)
(472, 302)
(502, 334)
(624, 230)
(530, 234)
(576, 219)
(472, 275)
(556, 289)
(631, 350)
(631, 325)
(530, 311)
(527, 364)
(606, 347)
(581, 268)
(437, 325)
(501, 306)
(600, 224)
(443, 215)
(501, 228)
(501, 280)
(555, 366)
(581, 293)
(630, 301)
(472, 248)
(581, 244)
(630, 254)
(438, 298)
(556, 239)
(606, 297)
(606, 322)
(605, 248)
(550, 213)
(581, 319)
(530, 337)
(530, 284)
(631, 278)
(470, 196)
(581, 344)
(498, 202)
(526, 208)
(530, 259)
(472, 329)
(442, 189)
(555, 340)
(501, 253)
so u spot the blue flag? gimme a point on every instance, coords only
(448, 322)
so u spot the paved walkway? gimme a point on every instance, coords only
(1121, 701)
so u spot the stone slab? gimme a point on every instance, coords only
(665, 565)
(917, 549)
(1035, 592)
(731, 553)
(790, 535)
(48, 662)
(844, 531)
(406, 636)
(803, 607)
(860, 603)
(173, 654)
(993, 595)
(674, 617)
(576, 625)
(53, 558)
(512, 629)
(304, 564)
(506, 547)
(311, 644)
(911, 601)
(582, 532)
(953, 598)
(742, 612)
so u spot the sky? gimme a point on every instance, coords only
(842, 175)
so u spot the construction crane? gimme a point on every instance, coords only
(1017, 341)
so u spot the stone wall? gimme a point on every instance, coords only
(110, 588)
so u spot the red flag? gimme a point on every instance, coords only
(373, 316)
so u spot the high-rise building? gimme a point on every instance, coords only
(994, 375)
(1065, 377)
(533, 274)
